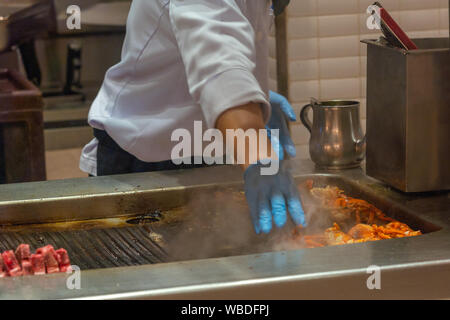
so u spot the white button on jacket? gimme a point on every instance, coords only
(182, 61)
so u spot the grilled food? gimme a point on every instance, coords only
(355, 221)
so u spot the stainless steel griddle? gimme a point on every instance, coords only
(219, 256)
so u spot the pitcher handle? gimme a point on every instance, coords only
(361, 147)
(304, 117)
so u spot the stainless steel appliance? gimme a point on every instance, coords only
(68, 66)
(408, 115)
(337, 141)
(89, 218)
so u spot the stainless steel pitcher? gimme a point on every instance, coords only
(337, 141)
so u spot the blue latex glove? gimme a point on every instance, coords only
(281, 109)
(270, 197)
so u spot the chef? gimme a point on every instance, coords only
(194, 60)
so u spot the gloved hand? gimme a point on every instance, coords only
(270, 196)
(280, 110)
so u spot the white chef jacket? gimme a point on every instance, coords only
(182, 61)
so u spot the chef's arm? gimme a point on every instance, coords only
(248, 116)
(269, 196)
(217, 45)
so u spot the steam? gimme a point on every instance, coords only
(218, 224)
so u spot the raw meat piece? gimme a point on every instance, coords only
(23, 252)
(50, 258)
(10, 264)
(2, 272)
(22, 262)
(27, 268)
(38, 264)
(63, 260)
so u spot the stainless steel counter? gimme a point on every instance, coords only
(416, 267)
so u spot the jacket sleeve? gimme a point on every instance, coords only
(217, 46)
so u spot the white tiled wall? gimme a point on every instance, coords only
(325, 57)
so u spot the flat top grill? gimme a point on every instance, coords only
(95, 248)
(203, 228)
(209, 225)
(412, 267)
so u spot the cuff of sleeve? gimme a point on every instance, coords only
(230, 89)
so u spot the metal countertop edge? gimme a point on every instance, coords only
(251, 282)
(245, 273)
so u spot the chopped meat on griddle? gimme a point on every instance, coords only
(23, 256)
(27, 268)
(50, 258)
(23, 252)
(63, 260)
(2, 271)
(11, 264)
(22, 262)
(38, 263)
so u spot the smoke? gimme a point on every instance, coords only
(217, 223)
(317, 220)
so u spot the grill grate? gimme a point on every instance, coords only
(95, 248)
